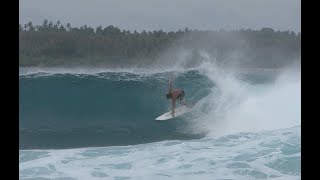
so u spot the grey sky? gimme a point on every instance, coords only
(166, 14)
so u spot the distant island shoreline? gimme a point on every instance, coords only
(53, 45)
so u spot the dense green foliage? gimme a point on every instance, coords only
(52, 44)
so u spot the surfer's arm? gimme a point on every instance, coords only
(170, 85)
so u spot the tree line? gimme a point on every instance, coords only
(54, 44)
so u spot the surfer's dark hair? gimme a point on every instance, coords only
(169, 96)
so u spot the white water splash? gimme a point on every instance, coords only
(273, 154)
(238, 106)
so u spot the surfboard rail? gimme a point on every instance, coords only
(178, 111)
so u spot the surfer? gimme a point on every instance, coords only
(174, 95)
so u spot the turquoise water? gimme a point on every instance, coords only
(110, 108)
(265, 155)
(99, 124)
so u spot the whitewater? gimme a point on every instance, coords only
(91, 123)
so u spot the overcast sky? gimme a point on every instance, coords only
(168, 15)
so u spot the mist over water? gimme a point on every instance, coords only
(242, 99)
(236, 105)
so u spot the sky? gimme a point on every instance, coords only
(167, 15)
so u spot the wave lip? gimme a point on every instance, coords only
(23, 71)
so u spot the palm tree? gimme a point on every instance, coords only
(50, 25)
(30, 25)
(99, 30)
(68, 27)
(45, 23)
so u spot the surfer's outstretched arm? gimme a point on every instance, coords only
(170, 85)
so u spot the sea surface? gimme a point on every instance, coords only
(89, 123)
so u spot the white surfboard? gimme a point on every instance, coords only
(178, 111)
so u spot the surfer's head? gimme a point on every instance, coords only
(169, 96)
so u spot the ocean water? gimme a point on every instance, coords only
(86, 123)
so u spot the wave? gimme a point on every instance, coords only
(82, 107)
(102, 109)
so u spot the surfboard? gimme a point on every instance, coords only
(178, 111)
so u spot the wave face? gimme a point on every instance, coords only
(272, 154)
(65, 110)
